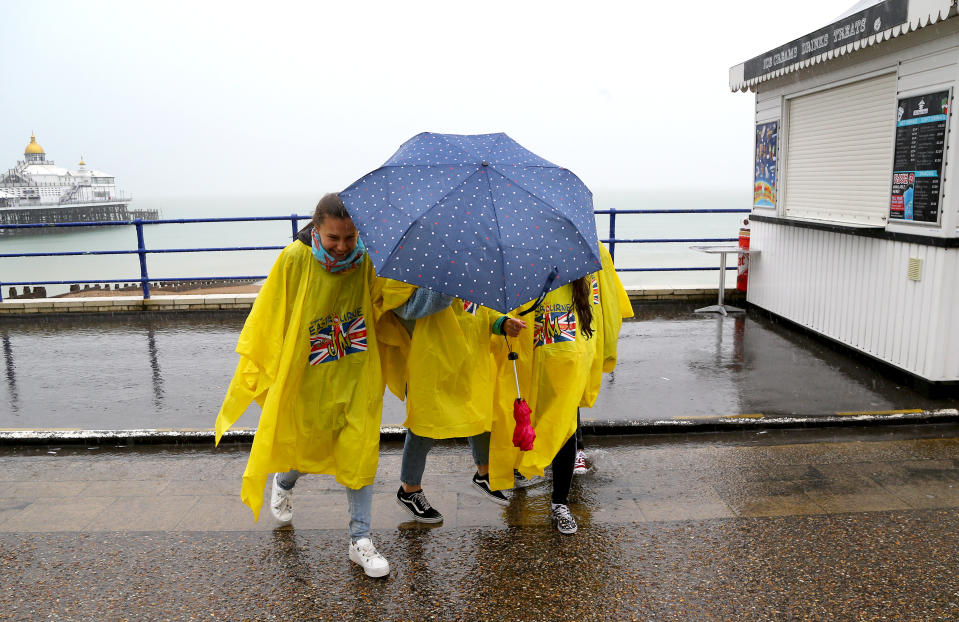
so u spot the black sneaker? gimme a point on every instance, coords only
(418, 507)
(481, 483)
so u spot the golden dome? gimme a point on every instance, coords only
(33, 147)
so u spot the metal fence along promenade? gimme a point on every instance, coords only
(143, 252)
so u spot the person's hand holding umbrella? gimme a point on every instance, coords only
(513, 326)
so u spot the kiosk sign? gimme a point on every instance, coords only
(870, 21)
(917, 166)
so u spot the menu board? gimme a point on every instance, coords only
(917, 166)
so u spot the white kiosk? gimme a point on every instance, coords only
(855, 206)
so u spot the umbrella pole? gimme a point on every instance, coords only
(513, 356)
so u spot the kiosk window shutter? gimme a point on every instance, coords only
(839, 152)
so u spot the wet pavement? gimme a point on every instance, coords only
(742, 524)
(839, 524)
(100, 372)
(685, 364)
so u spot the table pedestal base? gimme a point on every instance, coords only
(724, 309)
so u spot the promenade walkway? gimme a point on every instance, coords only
(837, 516)
(844, 524)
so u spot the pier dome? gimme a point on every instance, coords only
(33, 147)
(34, 152)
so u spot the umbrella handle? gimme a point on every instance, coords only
(516, 376)
(513, 356)
(549, 281)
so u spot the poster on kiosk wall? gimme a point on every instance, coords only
(764, 186)
(921, 123)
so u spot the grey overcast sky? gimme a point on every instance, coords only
(225, 98)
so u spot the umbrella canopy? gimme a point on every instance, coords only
(475, 216)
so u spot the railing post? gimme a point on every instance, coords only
(295, 221)
(141, 251)
(612, 234)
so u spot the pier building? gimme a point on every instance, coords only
(37, 191)
(855, 206)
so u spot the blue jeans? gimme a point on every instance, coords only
(416, 447)
(360, 500)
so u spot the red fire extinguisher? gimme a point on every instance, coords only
(742, 275)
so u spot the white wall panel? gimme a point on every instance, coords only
(929, 61)
(948, 321)
(768, 109)
(854, 289)
(921, 72)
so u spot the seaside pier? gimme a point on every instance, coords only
(37, 192)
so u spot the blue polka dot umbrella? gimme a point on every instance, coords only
(475, 216)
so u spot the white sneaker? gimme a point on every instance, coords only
(564, 521)
(579, 465)
(365, 554)
(281, 502)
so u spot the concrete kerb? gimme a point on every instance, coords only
(733, 423)
(193, 303)
(114, 305)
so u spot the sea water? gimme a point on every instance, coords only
(125, 268)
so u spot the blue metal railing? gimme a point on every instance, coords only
(612, 241)
(142, 251)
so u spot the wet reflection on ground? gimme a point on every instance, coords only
(127, 372)
(673, 362)
(99, 372)
(155, 368)
(10, 369)
(287, 548)
(171, 371)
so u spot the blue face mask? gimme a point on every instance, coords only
(332, 264)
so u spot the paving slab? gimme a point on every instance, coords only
(49, 514)
(143, 513)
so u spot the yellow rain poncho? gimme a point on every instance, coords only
(309, 358)
(559, 370)
(448, 372)
(610, 305)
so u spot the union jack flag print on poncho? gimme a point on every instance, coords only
(554, 327)
(337, 340)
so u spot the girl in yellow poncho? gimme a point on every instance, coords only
(448, 373)
(609, 309)
(572, 344)
(309, 356)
